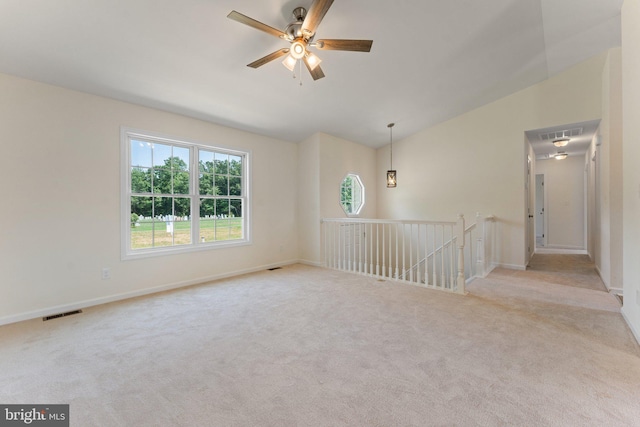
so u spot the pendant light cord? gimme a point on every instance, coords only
(390, 126)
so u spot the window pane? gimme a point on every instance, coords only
(140, 153)
(142, 233)
(222, 208)
(235, 228)
(207, 222)
(235, 186)
(207, 230)
(351, 194)
(161, 155)
(142, 222)
(162, 208)
(207, 208)
(180, 158)
(140, 180)
(222, 161)
(235, 165)
(181, 182)
(206, 184)
(222, 229)
(222, 185)
(182, 231)
(182, 208)
(205, 161)
(162, 233)
(162, 181)
(142, 206)
(347, 207)
(236, 208)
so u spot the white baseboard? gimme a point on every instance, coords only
(561, 250)
(510, 266)
(118, 297)
(635, 332)
(311, 263)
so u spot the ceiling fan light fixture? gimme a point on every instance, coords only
(561, 142)
(290, 62)
(297, 50)
(312, 60)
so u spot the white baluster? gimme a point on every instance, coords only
(460, 237)
(378, 250)
(414, 264)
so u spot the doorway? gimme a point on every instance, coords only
(559, 220)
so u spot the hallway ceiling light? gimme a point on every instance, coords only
(561, 142)
(561, 155)
(391, 173)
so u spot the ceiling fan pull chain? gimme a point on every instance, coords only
(300, 72)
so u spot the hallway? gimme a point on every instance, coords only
(564, 290)
(569, 270)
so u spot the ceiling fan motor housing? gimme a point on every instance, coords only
(299, 13)
(294, 29)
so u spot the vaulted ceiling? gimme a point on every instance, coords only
(430, 60)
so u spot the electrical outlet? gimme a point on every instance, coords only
(106, 274)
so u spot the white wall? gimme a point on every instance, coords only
(324, 161)
(631, 171)
(338, 157)
(309, 241)
(475, 162)
(61, 201)
(615, 166)
(608, 256)
(565, 202)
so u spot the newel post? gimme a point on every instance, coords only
(460, 288)
(480, 264)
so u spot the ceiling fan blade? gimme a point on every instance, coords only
(316, 73)
(244, 19)
(314, 16)
(275, 55)
(340, 44)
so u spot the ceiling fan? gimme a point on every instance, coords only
(300, 34)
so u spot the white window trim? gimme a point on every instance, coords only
(125, 193)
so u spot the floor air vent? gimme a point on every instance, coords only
(55, 316)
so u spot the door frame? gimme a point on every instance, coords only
(545, 223)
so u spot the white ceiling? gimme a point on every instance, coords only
(430, 60)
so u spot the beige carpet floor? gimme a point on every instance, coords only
(304, 346)
(569, 270)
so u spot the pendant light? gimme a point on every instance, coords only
(391, 173)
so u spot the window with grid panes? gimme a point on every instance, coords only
(182, 196)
